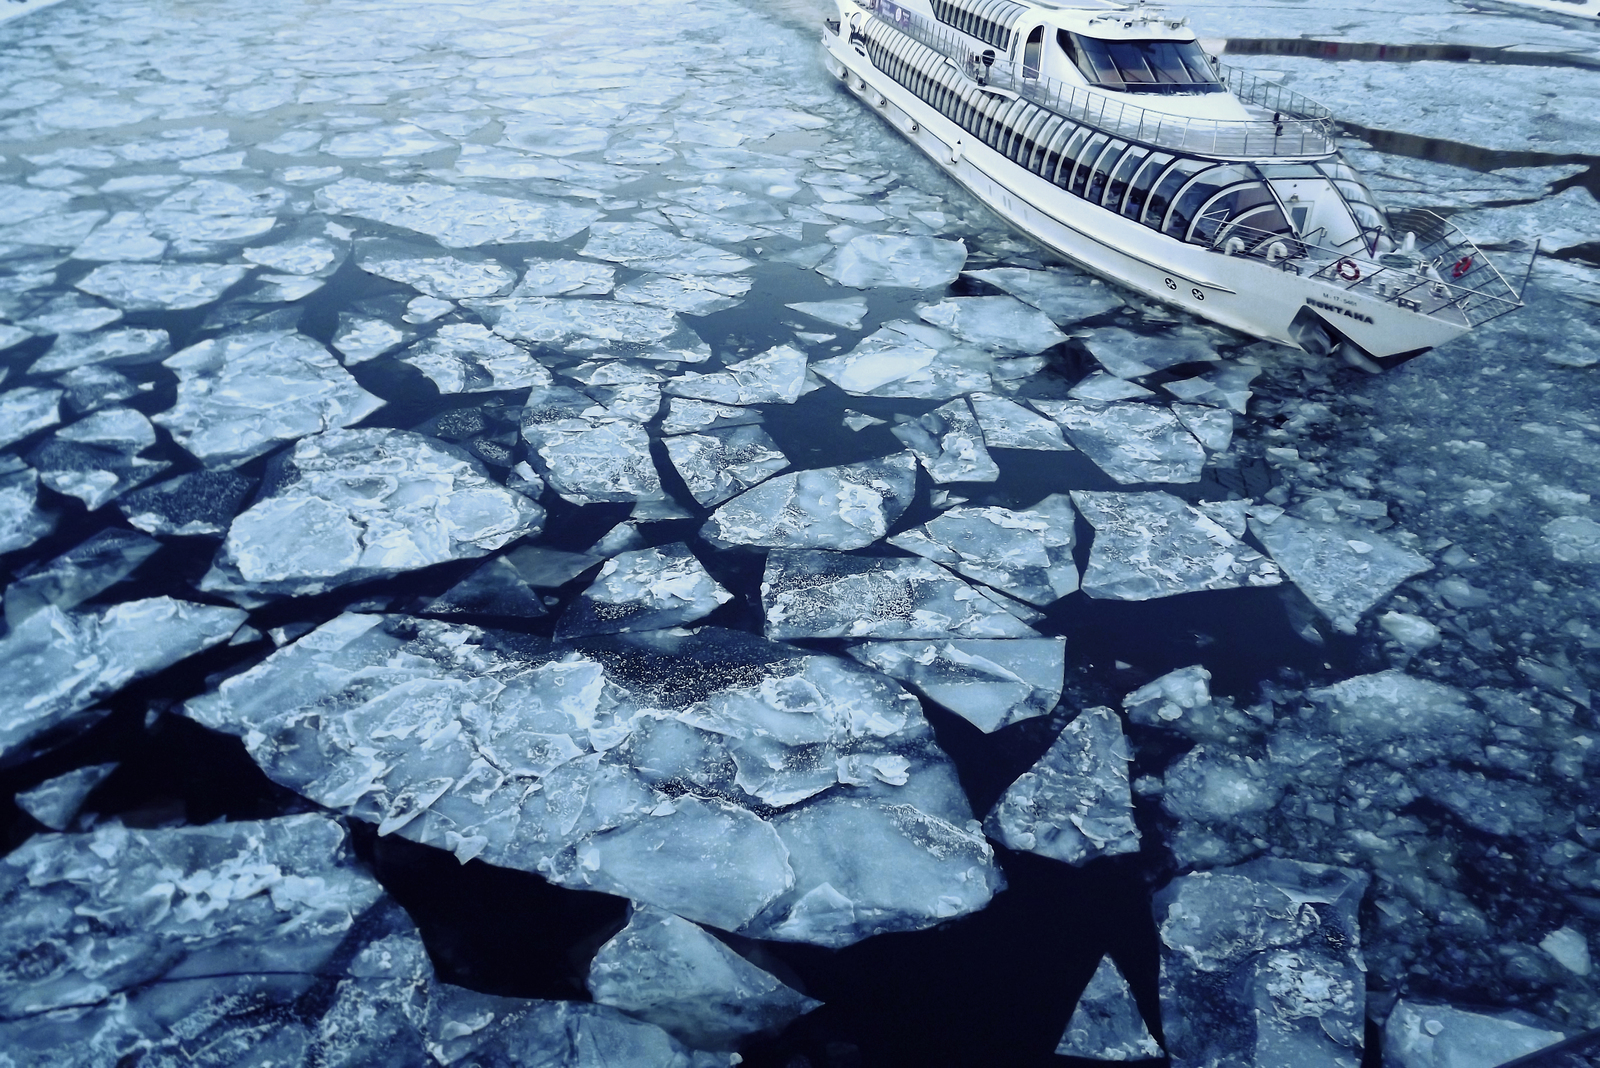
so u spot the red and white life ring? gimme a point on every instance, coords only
(1348, 270)
(1462, 266)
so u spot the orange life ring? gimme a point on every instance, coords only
(1348, 270)
(1463, 265)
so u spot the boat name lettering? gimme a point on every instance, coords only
(1338, 310)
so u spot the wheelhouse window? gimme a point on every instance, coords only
(1141, 66)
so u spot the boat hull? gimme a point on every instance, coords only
(1245, 294)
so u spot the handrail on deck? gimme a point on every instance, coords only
(1300, 128)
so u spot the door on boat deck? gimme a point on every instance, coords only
(1033, 53)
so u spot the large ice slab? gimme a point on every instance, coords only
(1074, 804)
(667, 971)
(456, 218)
(999, 322)
(242, 394)
(22, 521)
(647, 589)
(587, 453)
(813, 593)
(871, 260)
(468, 358)
(1131, 442)
(847, 507)
(989, 683)
(57, 663)
(777, 376)
(1155, 545)
(1063, 296)
(448, 277)
(950, 444)
(1420, 1035)
(574, 761)
(27, 410)
(1261, 966)
(161, 286)
(78, 574)
(651, 248)
(365, 504)
(1027, 553)
(906, 359)
(1008, 425)
(722, 462)
(1343, 569)
(1106, 1025)
(692, 295)
(116, 347)
(1130, 355)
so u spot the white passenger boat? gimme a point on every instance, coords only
(1105, 132)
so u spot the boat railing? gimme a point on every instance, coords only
(1432, 268)
(1299, 128)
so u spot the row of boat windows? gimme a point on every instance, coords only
(1190, 199)
(988, 20)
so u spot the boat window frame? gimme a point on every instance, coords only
(1036, 47)
(1136, 152)
(1068, 154)
(1176, 166)
(1047, 134)
(1200, 213)
(1081, 165)
(1103, 167)
(1133, 183)
(1096, 60)
(1031, 130)
(1167, 220)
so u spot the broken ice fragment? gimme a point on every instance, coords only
(949, 443)
(1064, 296)
(1102, 388)
(1212, 427)
(1131, 442)
(367, 503)
(78, 574)
(1129, 355)
(361, 339)
(809, 593)
(687, 294)
(999, 322)
(905, 359)
(55, 801)
(468, 358)
(199, 502)
(307, 256)
(647, 589)
(859, 421)
(564, 321)
(590, 461)
(455, 218)
(119, 347)
(651, 248)
(1226, 387)
(27, 410)
(669, 972)
(1106, 1025)
(495, 589)
(777, 376)
(720, 463)
(1074, 804)
(873, 260)
(1163, 701)
(1008, 425)
(1261, 965)
(1155, 545)
(161, 286)
(989, 683)
(448, 277)
(847, 312)
(1419, 1035)
(1344, 570)
(847, 507)
(1573, 539)
(426, 309)
(1025, 552)
(565, 278)
(22, 522)
(125, 237)
(685, 414)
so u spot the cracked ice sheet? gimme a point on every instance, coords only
(447, 277)
(1008, 425)
(724, 461)
(160, 286)
(1149, 545)
(1026, 553)
(914, 360)
(242, 394)
(22, 522)
(455, 218)
(1131, 442)
(442, 733)
(467, 358)
(647, 589)
(811, 593)
(1074, 804)
(1344, 570)
(868, 261)
(650, 248)
(590, 459)
(949, 443)
(1130, 355)
(847, 507)
(366, 504)
(989, 683)
(57, 664)
(998, 322)
(1064, 296)
(27, 410)
(580, 324)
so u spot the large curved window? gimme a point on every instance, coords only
(1141, 66)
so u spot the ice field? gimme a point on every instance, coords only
(548, 535)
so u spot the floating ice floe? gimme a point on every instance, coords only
(388, 142)
(447, 277)
(1008, 425)
(199, 502)
(1102, 387)
(468, 358)
(12, 335)
(847, 507)
(1150, 545)
(56, 801)
(456, 218)
(495, 589)
(312, 255)
(587, 454)
(991, 683)
(810, 593)
(950, 444)
(872, 260)
(666, 971)
(1344, 570)
(27, 410)
(549, 759)
(1065, 297)
(22, 521)
(365, 504)
(1212, 427)
(724, 461)
(1573, 539)
(56, 664)
(1074, 804)
(242, 394)
(691, 295)
(70, 313)
(1106, 1024)
(687, 415)
(565, 278)
(777, 376)
(1130, 355)
(1399, 719)
(77, 574)
(361, 338)
(905, 359)
(1131, 442)
(114, 347)
(647, 589)
(1027, 553)
(1226, 387)
(582, 324)
(998, 322)
(1420, 1035)
(125, 237)
(650, 248)
(96, 459)
(1261, 966)
(91, 388)
(847, 312)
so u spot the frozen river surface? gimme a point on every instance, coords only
(549, 536)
